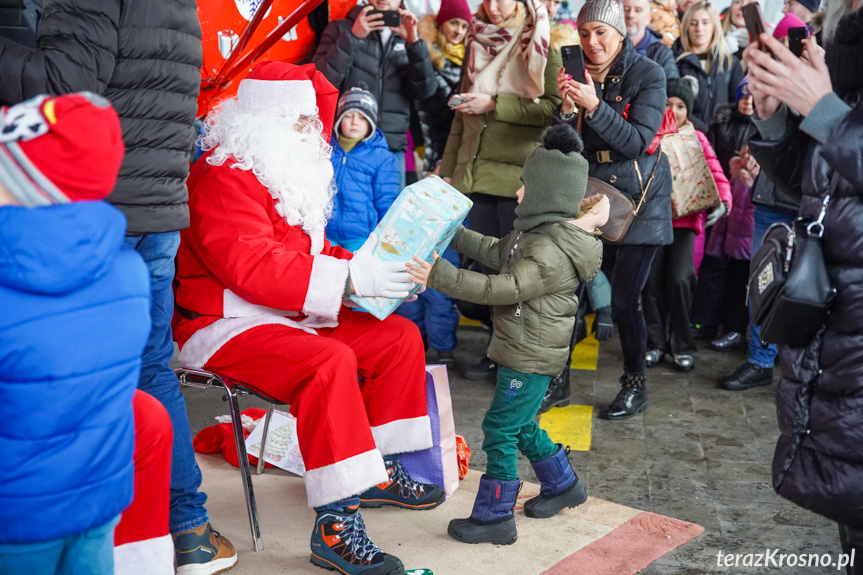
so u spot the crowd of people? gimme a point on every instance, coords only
(249, 258)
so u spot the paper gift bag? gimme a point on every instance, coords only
(423, 219)
(437, 464)
(692, 185)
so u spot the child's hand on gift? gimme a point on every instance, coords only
(420, 271)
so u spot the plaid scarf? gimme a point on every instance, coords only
(509, 59)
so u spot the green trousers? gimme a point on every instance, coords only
(509, 425)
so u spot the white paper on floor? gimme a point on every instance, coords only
(283, 449)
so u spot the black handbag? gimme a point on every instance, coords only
(790, 289)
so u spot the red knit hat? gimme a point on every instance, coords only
(271, 87)
(55, 150)
(450, 9)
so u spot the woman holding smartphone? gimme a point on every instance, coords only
(507, 99)
(701, 52)
(618, 106)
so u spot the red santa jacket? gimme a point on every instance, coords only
(240, 265)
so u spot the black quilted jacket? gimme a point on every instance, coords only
(145, 57)
(395, 73)
(819, 456)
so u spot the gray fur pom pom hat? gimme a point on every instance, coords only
(606, 11)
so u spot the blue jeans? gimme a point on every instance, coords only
(400, 158)
(157, 379)
(88, 553)
(434, 313)
(764, 217)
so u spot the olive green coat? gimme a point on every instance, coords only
(485, 153)
(534, 293)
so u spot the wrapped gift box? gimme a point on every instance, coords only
(423, 219)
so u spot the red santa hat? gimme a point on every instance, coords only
(273, 86)
(55, 150)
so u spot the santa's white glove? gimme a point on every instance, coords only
(716, 213)
(372, 277)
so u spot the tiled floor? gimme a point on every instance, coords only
(697, 453)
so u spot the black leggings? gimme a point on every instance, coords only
(628, 267)
(668, 295)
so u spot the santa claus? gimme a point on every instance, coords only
(260, 293)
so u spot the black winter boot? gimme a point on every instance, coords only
(557, 394)
(631, 399)
(492, 519)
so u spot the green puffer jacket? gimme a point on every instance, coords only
(534, 293)
(486, 153)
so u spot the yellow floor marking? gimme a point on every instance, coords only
(463, 321)
(585, 354)
(569, 425)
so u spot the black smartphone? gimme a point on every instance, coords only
(573, 62)
(754, 22)
(391, 17)
(796, 37)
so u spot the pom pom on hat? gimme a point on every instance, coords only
(564, 138)
(55, 150)
(450, 9)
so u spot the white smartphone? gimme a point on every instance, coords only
(457, 100)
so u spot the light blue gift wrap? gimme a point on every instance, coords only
(423, 219)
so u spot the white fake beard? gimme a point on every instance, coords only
(294, 165)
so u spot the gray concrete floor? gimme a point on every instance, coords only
(697, 453)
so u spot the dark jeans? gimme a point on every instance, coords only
(490, 216)
(852, 539)
(668, 295)
(628, 268)
(157, 379)
(712, 279)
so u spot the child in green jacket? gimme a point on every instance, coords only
(541, 264)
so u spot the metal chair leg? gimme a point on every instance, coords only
(263, 454)
(245, 468)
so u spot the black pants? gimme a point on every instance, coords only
(627, 267)
(490, 216)
(720, 298)
(852, 539)
(668, 296)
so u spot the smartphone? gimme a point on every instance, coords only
(796, 37)
(456, 100)
(573, 62)
(391, 17)
(754, 22)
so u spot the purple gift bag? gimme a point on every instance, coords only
(437, 464)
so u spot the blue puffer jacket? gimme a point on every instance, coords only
(74, 319)
(367, 179)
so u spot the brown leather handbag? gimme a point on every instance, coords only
(622, 210)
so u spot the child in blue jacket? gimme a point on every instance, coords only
(366, 173)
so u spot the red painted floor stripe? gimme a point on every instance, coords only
(629, 548)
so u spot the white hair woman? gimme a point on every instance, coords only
(701, 52)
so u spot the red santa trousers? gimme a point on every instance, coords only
(343, 427)
(142, 543)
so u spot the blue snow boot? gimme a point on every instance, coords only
(339, 543)
(492, 519)
(559, 486)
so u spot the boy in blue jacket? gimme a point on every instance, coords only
(74, 319)
(366, 173)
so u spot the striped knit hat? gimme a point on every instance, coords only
(358, 99)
